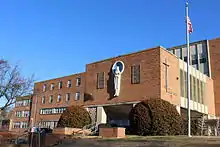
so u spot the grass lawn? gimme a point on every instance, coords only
(144, 141)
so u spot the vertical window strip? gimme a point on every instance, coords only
(191, 88)
(100, 80)
(185, 84)
(135, 74)
(182, 83)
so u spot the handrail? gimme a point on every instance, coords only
(89, 126)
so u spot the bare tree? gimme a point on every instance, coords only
(13, 84)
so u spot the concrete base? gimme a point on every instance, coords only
(114, 132)
(70, 131)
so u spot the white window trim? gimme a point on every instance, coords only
(69, 83)
(77, 94)
(52, 86)
(50, 98)
(59, 98)
(44, 87)
(67, 99)
(59, 85)
(77, 81)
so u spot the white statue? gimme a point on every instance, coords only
(117, 81)
(117, 76)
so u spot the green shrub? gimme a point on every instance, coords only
(74, 117)
(195, 127)
(155, 117)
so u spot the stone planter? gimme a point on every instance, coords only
(112, 132)
(70, 131)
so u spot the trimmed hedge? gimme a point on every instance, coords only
(74, 117)
(155, 117)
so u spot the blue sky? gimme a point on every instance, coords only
(53, 38)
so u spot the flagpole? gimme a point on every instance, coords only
(188, 74)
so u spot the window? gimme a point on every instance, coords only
(43, 100)
(26, 113)
(78, 81)
(44, 87)
(18, 103)
(199, 91)
(51, 99)
(179, 53)
(77, 97)
(59, 98)
(18, 113)
(52, 86)
(22, 113)
(195, 90)
(58, 110)
(69, 83)
(22, 103)
(135, 74)
(100, 80)
(26, 102)
(60, 85)
(182, 83)
(67, 96)
(24, 124)
(16, 125)
(48, 124)
(191, 87)
(185, 84)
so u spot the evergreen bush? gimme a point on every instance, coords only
(74, 117)
(155, 117)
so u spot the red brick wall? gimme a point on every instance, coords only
(38, 94)
(214, 49)
(149, 78)
(19, 119)
(173, 93)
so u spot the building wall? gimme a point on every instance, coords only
(149, 78)
(199, 55)
(157, 67)
(209, 97)
(171, 92)
(39, 93)
(214, 49)
(15, 119)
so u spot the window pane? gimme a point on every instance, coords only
(100, 80)
(77, 97)
(78, 81)
(135, 74)
(69, 84)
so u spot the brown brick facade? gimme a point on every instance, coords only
(214, 49)
(149, 85)
(38, 94)
(152, 82)
(172, 92)
(159, 78)
(16, 119)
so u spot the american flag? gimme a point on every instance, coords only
(190, 28)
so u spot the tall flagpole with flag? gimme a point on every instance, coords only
(188, 32)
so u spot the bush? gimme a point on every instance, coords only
(195, 127)
(74, 117)
(155, 117)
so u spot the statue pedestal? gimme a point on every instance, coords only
(112, 132)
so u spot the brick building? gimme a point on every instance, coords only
(205, 56)
(20, 118)
(155, 72)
